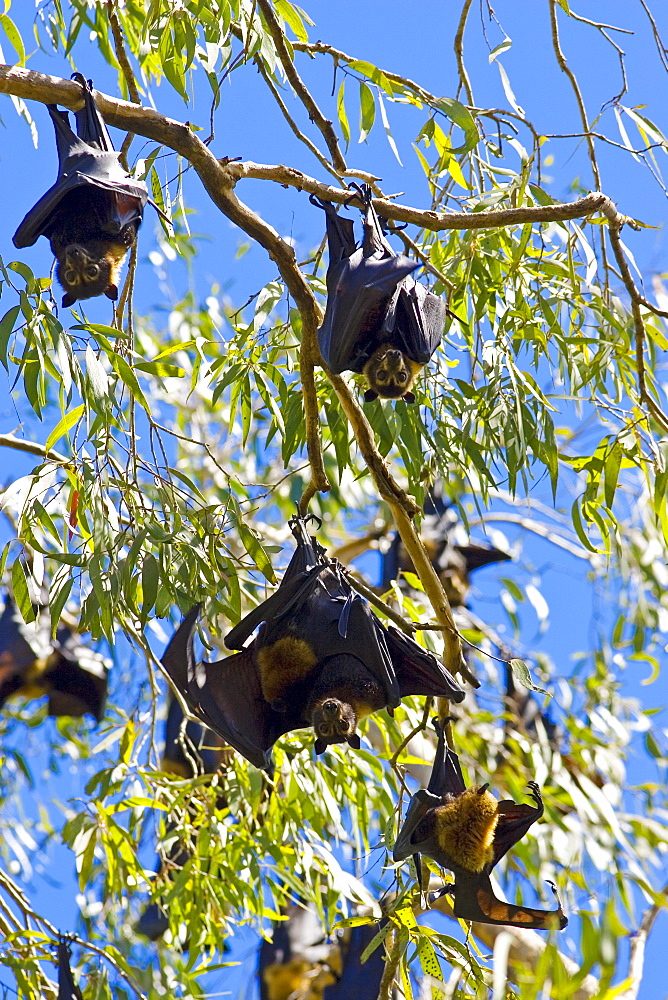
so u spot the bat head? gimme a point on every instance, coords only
(390, 374)
(334, 721)
(85, 272)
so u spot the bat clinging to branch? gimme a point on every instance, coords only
(378, 320)
(92, 213)
(467, 831)
(321, 658)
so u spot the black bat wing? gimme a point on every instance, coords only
(67, 988)
(78, 679)
(514, 821)
(477, 556)
(340, 235)
(227, 696)
(419, 671)
(197, 744)
(414, 321)
(84, 165)
(358, 979)
(360, 286)
(90, 123)
(474, 899)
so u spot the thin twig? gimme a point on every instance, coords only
(302, 92)
(459, 52)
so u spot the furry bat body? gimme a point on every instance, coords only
(467, 831)
(378, 320)
(92, 213)
(321, 658)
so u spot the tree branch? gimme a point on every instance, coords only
(302, 92)
(32, 448)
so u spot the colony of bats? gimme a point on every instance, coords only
(314, 654)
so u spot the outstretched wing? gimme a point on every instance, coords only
(475, 900)
(226, 696)
(419, 671)
(514, 821)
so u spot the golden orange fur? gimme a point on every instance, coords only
(465, 829)
(288, 661)
(297, 980)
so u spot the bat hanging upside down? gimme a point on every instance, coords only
(92, 213)
(378, 320)
(467, 831)
(321, 658)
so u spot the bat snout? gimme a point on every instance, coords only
(330, 710)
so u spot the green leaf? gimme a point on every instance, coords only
(67, 421)
(522, 674)
(14, 36)
(613, 461)
(367, 111)
(21, 592)
(255, 550)
(462, 117)
(341, 111)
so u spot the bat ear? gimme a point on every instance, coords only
(408, 397)
(320, 745)
(353, 741)
(111, 291)
(68, 300)
(370, 395)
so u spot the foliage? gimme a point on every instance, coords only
(174, 450)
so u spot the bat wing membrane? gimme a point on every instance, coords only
(474, 899)
(414, 321)
(419, 671)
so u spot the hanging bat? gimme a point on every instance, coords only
(358, 979)
(92, 213)
(189, 750)
(378, 321)
(67, 988)
(297, 963)
(33, 664)
(467, 831)
(453, 563)
(321, 658)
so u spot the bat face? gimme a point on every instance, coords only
(334, 721)
(467, 831)
(390, 374)
(86, 271)
(321, 658)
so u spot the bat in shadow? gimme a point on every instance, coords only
(321, 658)
(67, 988)
(92, 213)
(468, 831)
(32, 664)
(378, 320)
(189, 750)
(453, 563)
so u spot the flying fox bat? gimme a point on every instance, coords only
(321, 658)
(188, 749)
(467, 831)
(33, 664)
(358, 979)
(297, 963)
(453, 563)
(92, 213)
(67, 988)
(378, 320)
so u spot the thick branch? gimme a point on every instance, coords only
(302, 92)
(18, 444)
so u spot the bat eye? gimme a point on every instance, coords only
(401, 376)
(92, 272)
(71, 277)
(325, 730)
(381, 377)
